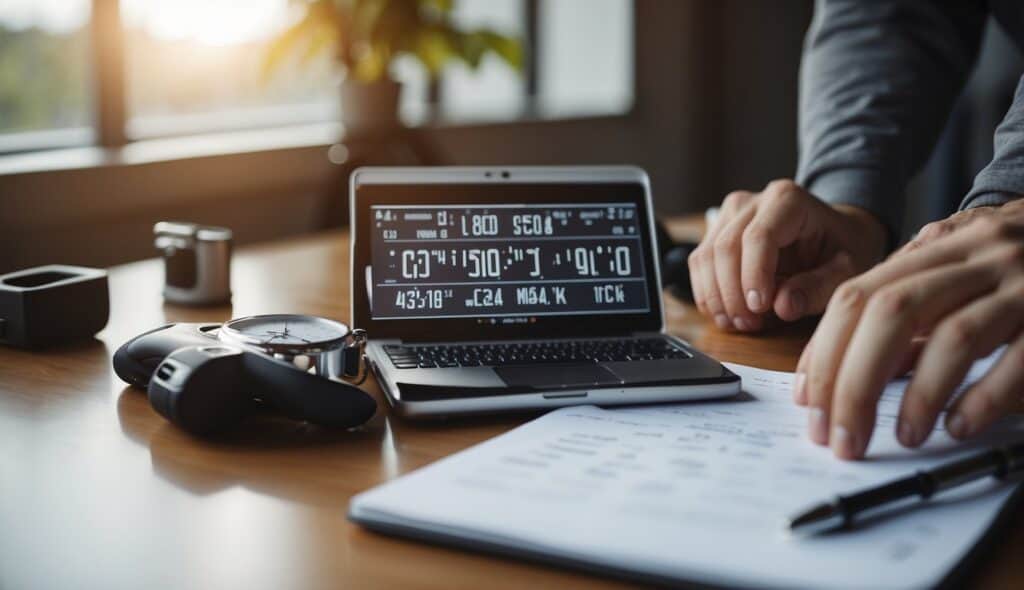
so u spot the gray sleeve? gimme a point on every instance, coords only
(877, 84)
(1003, 179)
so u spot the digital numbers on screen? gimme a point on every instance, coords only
(514, 260)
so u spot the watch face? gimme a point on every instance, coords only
(289, 331)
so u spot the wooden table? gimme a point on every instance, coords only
(98, 491)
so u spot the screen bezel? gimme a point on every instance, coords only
(467, 329)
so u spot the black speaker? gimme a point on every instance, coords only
(52, 305)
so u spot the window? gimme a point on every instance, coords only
(582, 61)
(44, 74)
(196, 65)
(494, 91)
(586, 57)
(181, 67)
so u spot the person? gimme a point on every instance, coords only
(878, 81)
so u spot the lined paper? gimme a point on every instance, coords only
(695, 491)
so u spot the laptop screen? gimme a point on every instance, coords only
(494, 261)
(508, 262)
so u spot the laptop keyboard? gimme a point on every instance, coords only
(532, 353)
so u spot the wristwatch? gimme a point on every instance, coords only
(314, 344)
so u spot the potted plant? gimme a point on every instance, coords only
(366, 36)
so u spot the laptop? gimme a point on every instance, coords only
(487, 289)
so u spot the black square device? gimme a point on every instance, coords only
(54, 304)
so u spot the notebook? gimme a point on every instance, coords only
(693, 492)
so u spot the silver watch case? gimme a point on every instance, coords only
(327, 359)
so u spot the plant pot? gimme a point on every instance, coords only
(370, 108)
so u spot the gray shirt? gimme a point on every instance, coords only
(877, 83)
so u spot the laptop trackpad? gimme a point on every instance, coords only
(548, 376)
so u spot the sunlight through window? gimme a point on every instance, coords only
(196, 65)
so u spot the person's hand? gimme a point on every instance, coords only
(780, 250)
(965, 292)
(943, 227)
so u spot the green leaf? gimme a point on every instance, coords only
(434, 49)
(507, 48)
(370, 66)
(472, 47)
(441, 6)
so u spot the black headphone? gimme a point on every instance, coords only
(675, 271)
(205, 387)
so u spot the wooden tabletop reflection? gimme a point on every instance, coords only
(98, 491)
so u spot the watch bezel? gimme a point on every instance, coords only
(235, 336)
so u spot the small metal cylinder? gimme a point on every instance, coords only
(197, 262)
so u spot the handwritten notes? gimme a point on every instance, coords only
(693, 492)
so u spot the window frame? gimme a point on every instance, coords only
(111, 124)
(66, 161)
(108, 143)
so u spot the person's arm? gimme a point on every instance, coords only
(998, 189)
(877, 84)
(878, 81)
(1002, 180)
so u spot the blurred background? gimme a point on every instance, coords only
(250, 113)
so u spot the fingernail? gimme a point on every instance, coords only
(905, 432)
(754, 300)
(957, 426)
(721, 321)
(740, 324)
(818, 426)
(843, 443)
(799, 391)
(798, 300)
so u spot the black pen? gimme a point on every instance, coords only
(844, 510)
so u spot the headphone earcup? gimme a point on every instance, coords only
(675, 271)
(302, 396)
(201, 389)
(675, 267)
